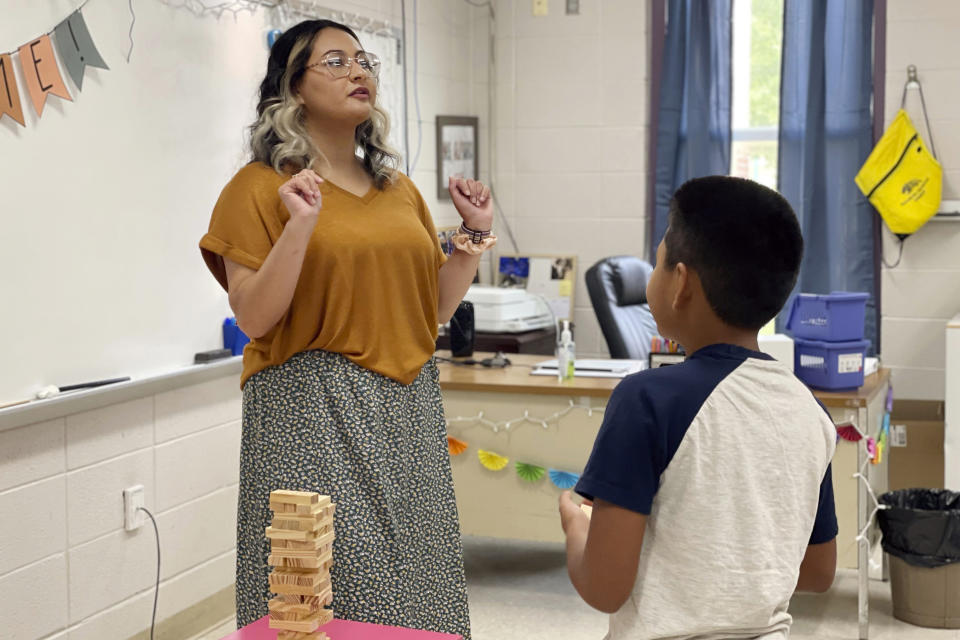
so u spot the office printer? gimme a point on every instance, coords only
(504, 310)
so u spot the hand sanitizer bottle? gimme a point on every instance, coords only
(566, 353)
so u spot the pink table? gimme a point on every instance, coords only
(342, 630)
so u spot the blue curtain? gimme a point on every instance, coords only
(693, 130)
(825, 136)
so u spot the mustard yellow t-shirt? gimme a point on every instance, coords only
(369, 286)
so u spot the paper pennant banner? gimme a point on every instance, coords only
(563, 479)
(491, 460)
(40, 72)
(455, 446)
(530, 472)
(848, 432)
(76, 47)
(9, 94)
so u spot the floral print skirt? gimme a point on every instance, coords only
(321, 423)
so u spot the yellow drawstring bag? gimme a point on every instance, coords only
(901, 178)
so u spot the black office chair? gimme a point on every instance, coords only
(618, 292)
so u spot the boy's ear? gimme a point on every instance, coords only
(683, 284)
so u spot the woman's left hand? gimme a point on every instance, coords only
(473, 202)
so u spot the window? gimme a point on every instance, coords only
(757, 43)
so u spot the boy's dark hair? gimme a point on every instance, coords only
(744, 242)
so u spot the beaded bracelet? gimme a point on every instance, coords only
(475, 236)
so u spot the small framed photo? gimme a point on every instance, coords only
(551, 277)
(456, 151)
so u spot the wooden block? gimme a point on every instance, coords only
(314, 602)
(303, 509)
(292, 589)
(280, 610)
(299, 553)
(326, 598)
(313, 543)
(303, 522)
(309, 554)
(303, 626)
(302, 577)
(297, 523)
(306, 625)
(283, 507)
(289, 599)
(293, 635)
(312, 549)
(299, 582)
(286, 534)
(295, 497)
(319, 561)
(295, 563)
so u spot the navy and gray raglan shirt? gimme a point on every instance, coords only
(729, 455)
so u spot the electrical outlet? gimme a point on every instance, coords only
(573, 7)
(132, 499)
(541, 7)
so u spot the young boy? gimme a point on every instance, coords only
(710, 479)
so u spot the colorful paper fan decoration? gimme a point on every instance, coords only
(456, 446)
(871, 447)
(530, 472)
(491, 460)
(848, 432)
(563, 479)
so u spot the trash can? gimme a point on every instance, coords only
(921, 534)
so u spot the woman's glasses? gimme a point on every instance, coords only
(338, 64)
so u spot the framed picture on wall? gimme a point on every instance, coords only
(456, 151)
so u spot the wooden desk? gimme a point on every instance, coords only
(516, 378)
(500, 504)
(540, 341)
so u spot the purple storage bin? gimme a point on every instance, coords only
(834, 317)
(830, 365)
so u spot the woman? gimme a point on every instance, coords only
(335, 272)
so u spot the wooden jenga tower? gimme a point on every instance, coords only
(301, 552)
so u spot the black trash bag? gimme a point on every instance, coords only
(921, 526)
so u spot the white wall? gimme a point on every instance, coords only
(106, 196)
(572, 129)
(67, 568)
(920, 295)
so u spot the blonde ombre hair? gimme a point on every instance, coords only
(279, 136)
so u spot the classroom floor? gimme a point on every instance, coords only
(520, 590)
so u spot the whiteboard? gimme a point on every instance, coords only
(105, 198)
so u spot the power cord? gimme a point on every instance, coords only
(499, 360)
(156, 593)
(896, 264)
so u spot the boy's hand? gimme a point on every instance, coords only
(571, 516)
(603, 551)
